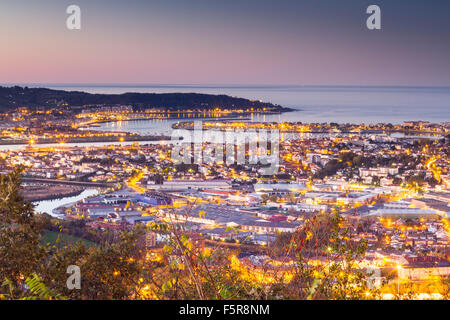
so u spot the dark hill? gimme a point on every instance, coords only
(13, 97)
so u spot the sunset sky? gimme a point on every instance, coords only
(249, 42)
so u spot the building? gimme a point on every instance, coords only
(424, 269)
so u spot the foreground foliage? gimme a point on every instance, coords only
(323, 261)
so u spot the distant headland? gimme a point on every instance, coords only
(17, 96)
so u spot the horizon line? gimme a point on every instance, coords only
(200, 85)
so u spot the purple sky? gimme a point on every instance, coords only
(311, 42)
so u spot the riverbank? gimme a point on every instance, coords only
(134, 138)
(47, 192)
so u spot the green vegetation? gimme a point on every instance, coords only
(61, 239)
(110, 271)
(345, 160)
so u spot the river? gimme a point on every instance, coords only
(48, 206)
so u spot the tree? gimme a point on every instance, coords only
(376, 180)
(20, 250)
(397, 181)
(337, 276)
(110, 271)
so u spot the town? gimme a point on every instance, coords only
(389, 184)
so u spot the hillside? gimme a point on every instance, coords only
(13, 97)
